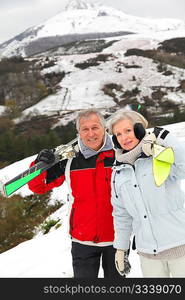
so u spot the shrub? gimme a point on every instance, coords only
(19, 217)
(91, 62)
(48, 225)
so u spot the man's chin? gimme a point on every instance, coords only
(94, 146)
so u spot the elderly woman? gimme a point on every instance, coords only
(154, 213)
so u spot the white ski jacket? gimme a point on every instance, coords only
(155, 215)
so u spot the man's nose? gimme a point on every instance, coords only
(91, 132)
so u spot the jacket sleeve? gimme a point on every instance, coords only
(166, 139)
(49, 179)
(122, 220)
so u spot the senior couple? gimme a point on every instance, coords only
(114, 196)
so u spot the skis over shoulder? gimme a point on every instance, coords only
(61, 152)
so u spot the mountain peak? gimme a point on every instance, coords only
(79, 4)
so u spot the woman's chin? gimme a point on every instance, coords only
(128, 148)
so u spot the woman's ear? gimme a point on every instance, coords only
(139, 131)
(115, 142)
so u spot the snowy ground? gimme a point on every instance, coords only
(49, 255)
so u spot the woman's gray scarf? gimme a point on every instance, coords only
(130, 156)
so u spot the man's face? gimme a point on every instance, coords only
(91, 132)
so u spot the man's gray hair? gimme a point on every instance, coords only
(86, 113)
(124, 114)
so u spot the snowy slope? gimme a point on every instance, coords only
(81, 89)
(81, 17)
(49, 255)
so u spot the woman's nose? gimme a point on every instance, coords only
(123, 136)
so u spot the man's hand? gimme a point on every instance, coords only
(46, 155)
(121, 261)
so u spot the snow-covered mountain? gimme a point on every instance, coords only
(98, 73)
(82, 20)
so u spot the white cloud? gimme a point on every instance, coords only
(17, 18)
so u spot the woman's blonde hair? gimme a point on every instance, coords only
(124, 114)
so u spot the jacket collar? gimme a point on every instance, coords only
(88, 152)
(120, 165)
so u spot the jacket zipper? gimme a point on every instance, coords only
(114, 186)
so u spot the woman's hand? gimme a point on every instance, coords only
(147, 143)
(121, 261)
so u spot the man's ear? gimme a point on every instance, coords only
(115, 142)
(139, 131)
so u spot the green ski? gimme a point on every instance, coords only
(61, 152)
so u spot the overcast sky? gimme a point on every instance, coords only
(18, 15)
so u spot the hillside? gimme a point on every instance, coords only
(113, 74)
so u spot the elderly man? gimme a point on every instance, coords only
(88, 175)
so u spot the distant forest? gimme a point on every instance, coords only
(17, 143)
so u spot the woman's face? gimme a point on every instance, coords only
(124, 131)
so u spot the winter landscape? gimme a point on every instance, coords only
(49, 255)
(101, 73)
(103, 78)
